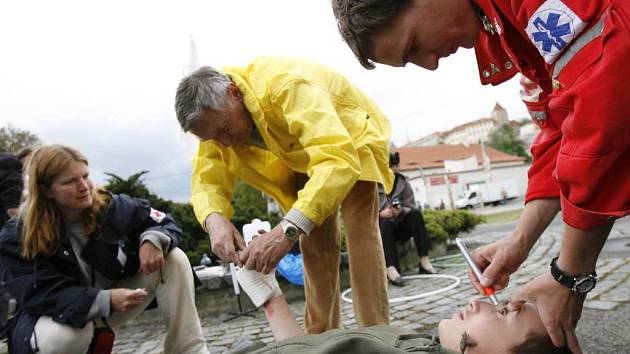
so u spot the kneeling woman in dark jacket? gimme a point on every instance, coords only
(78, 254)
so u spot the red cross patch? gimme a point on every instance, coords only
(157, 215)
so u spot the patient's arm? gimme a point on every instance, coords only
(263, 290)
(281, 320)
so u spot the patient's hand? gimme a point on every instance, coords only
(151, 258)
(124, 300)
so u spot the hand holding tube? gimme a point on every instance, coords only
(488, 291)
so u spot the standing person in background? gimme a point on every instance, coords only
(303, 134)
(400, 219)
(11, 182)
(10, 186)
(78, 254)
(573, 55)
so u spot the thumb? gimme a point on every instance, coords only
(519, 297)
(491, 273)
(243, 255)
(138, 293)
(240, 242)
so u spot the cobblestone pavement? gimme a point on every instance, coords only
(612, 292)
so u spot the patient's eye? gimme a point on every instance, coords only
(504, 311)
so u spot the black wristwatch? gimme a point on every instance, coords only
(290, 231)
(577, 285)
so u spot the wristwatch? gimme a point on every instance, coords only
(577, 285)
(290, 231)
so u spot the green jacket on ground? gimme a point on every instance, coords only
(370, 340)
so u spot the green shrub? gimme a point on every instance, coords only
(436, 232)
(444, 224)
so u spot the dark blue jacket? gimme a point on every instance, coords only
(50, 285)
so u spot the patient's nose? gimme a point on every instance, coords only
(473, 305)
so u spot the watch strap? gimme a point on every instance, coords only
(565, 279)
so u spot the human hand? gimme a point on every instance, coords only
(265, 251)
(124, 300)
(559, 309)
(388, 213)
(225, 239)
(497, 261)
(151, 258)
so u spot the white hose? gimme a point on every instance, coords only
(456, 282)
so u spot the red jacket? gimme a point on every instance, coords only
(583, 108)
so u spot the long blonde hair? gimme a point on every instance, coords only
(40, 217)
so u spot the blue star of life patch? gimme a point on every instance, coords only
(552, 27)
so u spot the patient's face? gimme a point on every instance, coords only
(494, 328)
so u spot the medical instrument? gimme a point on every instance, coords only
(473, 266)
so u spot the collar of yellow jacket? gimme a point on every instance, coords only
(238, 76)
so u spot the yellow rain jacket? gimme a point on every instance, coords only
(313, 121)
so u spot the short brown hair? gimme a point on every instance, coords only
(538, 344)
(357, 20)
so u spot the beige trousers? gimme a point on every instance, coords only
(175, 293)
(321, 253)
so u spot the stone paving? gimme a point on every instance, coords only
(613, 290)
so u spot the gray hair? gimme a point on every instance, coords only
(205, 88)
(358, 20)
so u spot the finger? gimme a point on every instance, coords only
(244, 255)
(521, 295)
(502, 282)
(261, 232)
(251, 263)
(572, 342)
(493, 272)
(555, 333)
(259, 265)
(238, 240)
(232, 256)
(474, 281)
(516, 305)
(266, 269)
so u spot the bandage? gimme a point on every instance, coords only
(258, 286)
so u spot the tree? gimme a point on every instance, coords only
(505, 138)
(249, 204)
(13, 140)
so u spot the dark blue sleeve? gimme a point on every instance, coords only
(142, 217)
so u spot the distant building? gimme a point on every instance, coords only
(468, 133)
(432, 184)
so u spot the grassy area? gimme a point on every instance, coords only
(503, 217)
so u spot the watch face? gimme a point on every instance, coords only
(291, 232)
(584, 285)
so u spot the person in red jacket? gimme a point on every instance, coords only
(572, 55)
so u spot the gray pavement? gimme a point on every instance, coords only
(603, 328)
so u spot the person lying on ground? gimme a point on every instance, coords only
(479, 327)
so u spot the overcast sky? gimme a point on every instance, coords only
(101, 76)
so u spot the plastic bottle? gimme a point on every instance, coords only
(250, 230)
